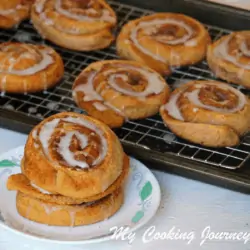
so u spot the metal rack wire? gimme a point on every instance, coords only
(150, 133)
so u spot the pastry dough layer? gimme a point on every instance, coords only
(21, 183)
(66, 215)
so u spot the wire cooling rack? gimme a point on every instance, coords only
(150, 134)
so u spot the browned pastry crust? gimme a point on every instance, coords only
(12, 12)
(163, 40)
(69, 215)
(229, 58)
(73, 155)
(21, 183)
(211, 113)
(114, 91)
(28, 68)
(77, 25)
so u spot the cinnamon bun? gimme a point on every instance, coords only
(12, 12)
(28, 68)
(163, 40)
(65, 215)
(114, 91)
(20, 183)
(209, 113)
(229, 58)
(78, 25)
(73, 155)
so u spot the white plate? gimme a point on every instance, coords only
(142, 199)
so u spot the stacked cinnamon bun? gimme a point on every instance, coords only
(73, 172)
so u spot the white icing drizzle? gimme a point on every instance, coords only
(118, 111)
(3, 83)
(25, 86)
(49, 209)
(127, 41)
(191, 43)
(63, 148)
(106, 15)
(40, 5)
(193, 97)
(244, 49)
(88, 89)
(221, 51)
(46, 20)
(178, 83)
(72, 215)
(157, 22)
(172, 106)
(27, 214)
(45, 134)
(91, 11)
(34, 133)
(97, 131)
(39, 189)
(44, 79)
(154, 86)
(99, 106)
(6, 12)
(43, 64)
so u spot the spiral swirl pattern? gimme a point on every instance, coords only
(73, 155)
(229, 58)
(163, 39)
(24, 59)
(82, 11)
(75, 24)
(234, 49)
(71, 142)
(23, 63)
(117, 87)
(199, 110)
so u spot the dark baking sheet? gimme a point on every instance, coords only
(146, 139)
